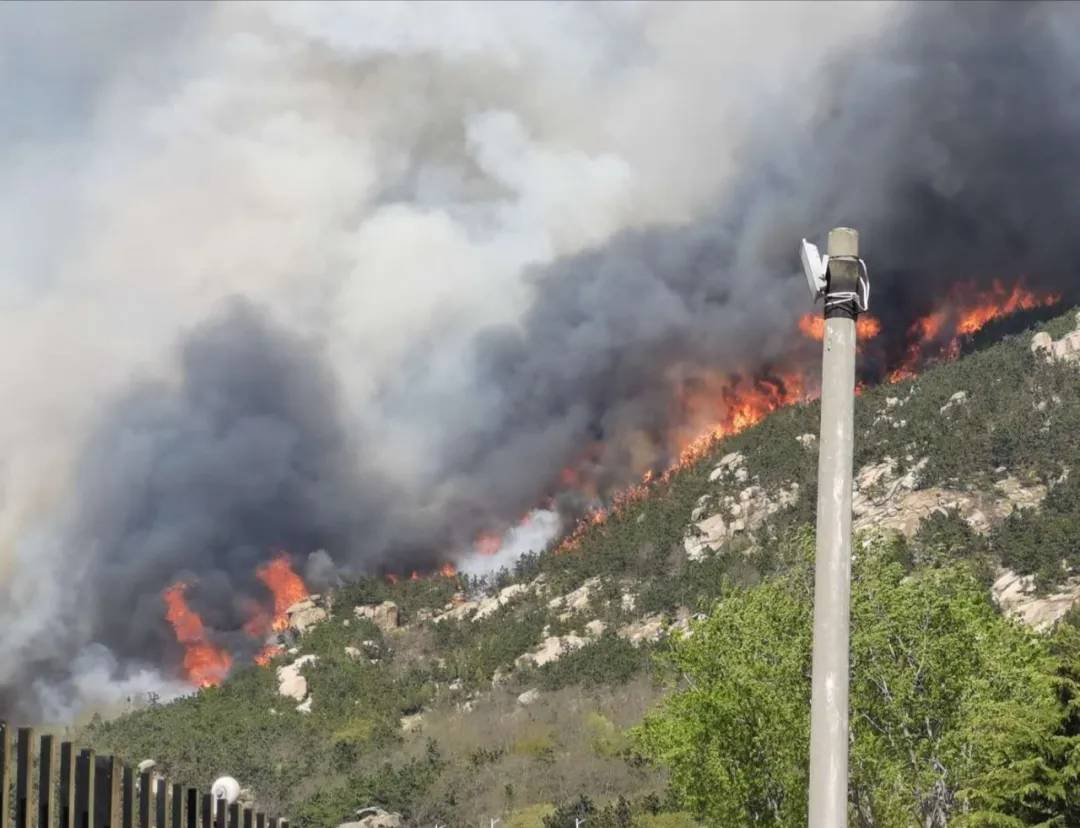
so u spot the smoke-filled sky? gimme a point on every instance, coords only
(365, 278)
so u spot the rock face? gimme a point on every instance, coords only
(595, 628)
(1067, 348)
(728, 466)
(528, 697)
(730, 515)
(551, 649)
(577, 600)
(1016, 595)
(957, 399)
(885, 499)
(374, 818)
(413, 723)
(305, 614)
(482, 608)
(647, 629)
(386, 616)
(290, 683)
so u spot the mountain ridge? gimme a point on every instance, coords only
(512, 696)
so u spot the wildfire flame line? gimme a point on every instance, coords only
(709, 408)
(205, 664)
(285, 585)
(966, 311)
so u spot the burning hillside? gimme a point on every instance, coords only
(705, 407)
(412, 317)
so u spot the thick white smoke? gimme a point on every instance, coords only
(379, 184)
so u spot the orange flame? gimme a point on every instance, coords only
(448, 570)
(998, 302)
(715, 407)
(966, 311)
(718, 408)
(489, 543)
(268, 654)
(812, 326)
(391, 578)
(258, 621)
(205, 664)
(286, 586)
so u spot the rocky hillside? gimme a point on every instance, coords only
(456, 700)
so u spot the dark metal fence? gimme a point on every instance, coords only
(49, 784)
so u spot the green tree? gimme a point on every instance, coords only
(944, 691)
(1040, 784)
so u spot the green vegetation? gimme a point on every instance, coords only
(1044, 542)
(951, 705)
(607, 660)
(957, 713)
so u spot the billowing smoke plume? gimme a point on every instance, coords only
(476, 246)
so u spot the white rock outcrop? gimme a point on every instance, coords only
(505, 596)
(957, 399)
(305, 614)
(578, 599)
(734, 514)
(374, 818)
(1066, 349)
(528, 697)
(1016, 595)
(551, 649)
(644, 630)
(728, 467)
(595, 628)
(290, 683)
(386, 616)
(885, 499)
(413, 723)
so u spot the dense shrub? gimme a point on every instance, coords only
(607, 660)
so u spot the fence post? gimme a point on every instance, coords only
(234, 816)
(192, 808)
(260, 819)
(47, 782)
(67, 785)
(25, 808)
(179, 803)
(219, 814)
(113, 792)
(146, 810)
(161, 801)
(247, 817)
(84, 789)
(127, 807)
(6, 758)
(207, 811)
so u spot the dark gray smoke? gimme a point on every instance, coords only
(245, 456)
(951, 139)
(951, 143)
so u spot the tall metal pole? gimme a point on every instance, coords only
(832, 582)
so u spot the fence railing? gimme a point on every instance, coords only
(49, 784)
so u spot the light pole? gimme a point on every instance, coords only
(841, 280)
